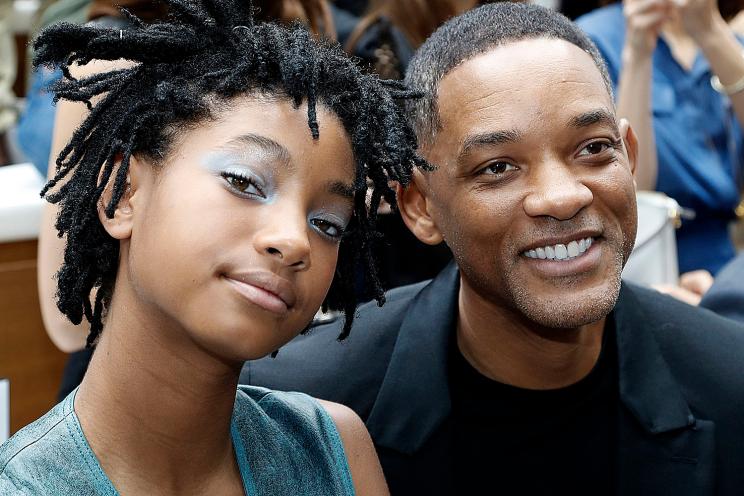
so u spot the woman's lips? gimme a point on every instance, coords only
(264, 289)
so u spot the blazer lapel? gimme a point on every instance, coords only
(662, 447)
(414, 397)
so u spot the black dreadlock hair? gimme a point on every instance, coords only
(205, 53)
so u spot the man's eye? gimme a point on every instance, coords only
(498, 168)
(242, 184)
(328, 228)
(594, 148)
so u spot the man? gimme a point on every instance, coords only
(526, 367)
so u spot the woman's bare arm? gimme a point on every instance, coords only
(366, 471)
(63, 333)
(643, 20)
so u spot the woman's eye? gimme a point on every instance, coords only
(243, 184)
(328, 228)
(498, 168)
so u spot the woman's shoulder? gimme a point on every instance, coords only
(45, 457)
(293, 434)
(30, 443)
(267, 408)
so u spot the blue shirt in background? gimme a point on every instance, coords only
(698, 139)
(285, 444)
(36, 123)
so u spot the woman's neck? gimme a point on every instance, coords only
(155, 407)
(683, 47)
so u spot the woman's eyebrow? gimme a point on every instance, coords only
(272, 149)
(341, 189)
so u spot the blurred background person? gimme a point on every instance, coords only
(36, 123)
(726, 295)
(8, 62)
(386, 37)
(678, 73)
(35, 127)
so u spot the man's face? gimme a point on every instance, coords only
(534, 192)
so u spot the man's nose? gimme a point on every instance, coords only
(283, 236)
(556, 191)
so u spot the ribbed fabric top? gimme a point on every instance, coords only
(285, 444)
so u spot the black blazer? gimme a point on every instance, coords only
(726, 296)
(681, 424)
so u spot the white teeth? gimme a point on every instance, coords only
(560, 251)
(573, 249)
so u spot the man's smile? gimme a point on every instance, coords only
(561, 251)
(576, 257)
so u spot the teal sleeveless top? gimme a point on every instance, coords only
(285, 444)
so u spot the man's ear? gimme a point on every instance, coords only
(631, 143)
(414, 206)
(120, 225)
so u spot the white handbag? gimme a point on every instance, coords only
(654, 257)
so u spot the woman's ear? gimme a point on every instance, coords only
(414, 206)
(119, 226)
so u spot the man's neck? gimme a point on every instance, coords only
(155, 407)
(505, 346)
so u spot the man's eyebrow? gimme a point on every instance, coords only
(598, 116)
(341, 189)
(492, 138)
(272, 148)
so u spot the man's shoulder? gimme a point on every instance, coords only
(374, 325)
(702, 349)
(348, 371)
(671, 319)
(371, 318)
(665, 312)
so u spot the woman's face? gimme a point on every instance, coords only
(235, 238)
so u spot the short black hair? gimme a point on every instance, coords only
(474, 33)
(186, 68)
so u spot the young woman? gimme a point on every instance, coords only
(205, 201)
(315, 14)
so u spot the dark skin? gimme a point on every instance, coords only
(530, 155)
(227, 249)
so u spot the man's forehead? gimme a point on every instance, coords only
(523, 69)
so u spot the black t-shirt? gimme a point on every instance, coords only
(508, 440)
